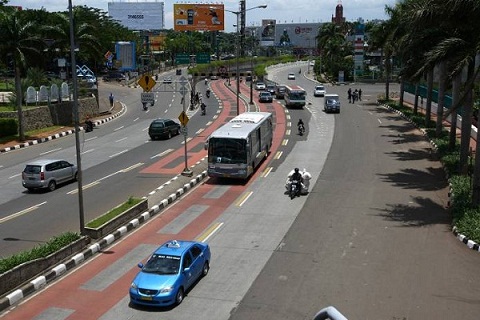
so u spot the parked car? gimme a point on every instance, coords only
(280, 91)
(270, 88)
(291, 76)
(265, 96)
(163, 128)
(48, 174)
(169, 272)
(87, 78)
(113, 76)
(319, 91)
(260, 86)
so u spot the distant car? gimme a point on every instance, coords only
(87, 78)
(291, 76)
(213, 77)
(265, 96)
(114, 76)
(280, 91)
(270, 88)
(167, 80)
(48, 174)
(163, 128)
(312, 63)
(169, 272)
(319, 91)
(260, 86)
(248, 78)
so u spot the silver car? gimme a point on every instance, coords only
(48, 174)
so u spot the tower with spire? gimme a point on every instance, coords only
(338, 18)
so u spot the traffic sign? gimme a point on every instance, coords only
(203, 57)
(148, 97)
(183, 91)
(147, 83)
(182, 58)
(183, 118)
(184, 130)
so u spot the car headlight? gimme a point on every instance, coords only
(134, 286)
(166, 290)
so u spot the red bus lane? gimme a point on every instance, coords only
(95, 287)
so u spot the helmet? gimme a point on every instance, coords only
(297, 170)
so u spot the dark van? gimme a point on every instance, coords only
(280, 91)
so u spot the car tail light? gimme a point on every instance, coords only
(42, 175)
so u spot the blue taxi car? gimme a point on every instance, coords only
(169, 272)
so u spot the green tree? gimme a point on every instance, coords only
(19, 37)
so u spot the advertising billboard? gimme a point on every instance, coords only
(126, 55)
(267, 35)
(301, 35)
(198, 17)
(138, 15)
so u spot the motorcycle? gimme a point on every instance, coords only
(300, 71)
(207, 94)
(301, 129)
(145, 106)
(203, 107)
(303, 186)
(294, 189)
(88, 126)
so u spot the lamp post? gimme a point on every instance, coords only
(238, 13)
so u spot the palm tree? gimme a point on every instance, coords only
(19, 38)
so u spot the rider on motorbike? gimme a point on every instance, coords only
(207, 93)
(203, 107)
(300, 126)
(298, 177)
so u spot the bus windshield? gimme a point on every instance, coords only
(227, 150)
(297, 95)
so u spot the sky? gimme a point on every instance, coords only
(279, 10)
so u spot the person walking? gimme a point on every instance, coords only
(360, 94)
(349, 95)
(111, 100)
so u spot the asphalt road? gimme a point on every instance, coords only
(372, 238)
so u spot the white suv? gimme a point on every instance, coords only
(319, 91)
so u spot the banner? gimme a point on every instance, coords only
(198, 17)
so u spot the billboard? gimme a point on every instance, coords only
(267, 34)
(126, 55)
(138, 15)
(198, 17)
(301, 35)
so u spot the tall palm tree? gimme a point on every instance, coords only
(20, 39)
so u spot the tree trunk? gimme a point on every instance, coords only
(387, 77)
(466, 126)
(441, 97)
(415, 104)
(457, 82)
(18, 100)
(402, 92)
(428, 107)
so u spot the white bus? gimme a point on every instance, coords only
(295, 96)
(239, 146)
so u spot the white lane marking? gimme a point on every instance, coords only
(75, 191)
(119, 128)
(87, 151)
(92, 138)
(121, 139)
(135, 119)
(199, 131)
(20, 213)
(162, 154)
(50, 151)
(131, 167)
(119, 153)
(14, 176)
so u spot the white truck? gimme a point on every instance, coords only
(332, 103)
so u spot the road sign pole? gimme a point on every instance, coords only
(186, 171)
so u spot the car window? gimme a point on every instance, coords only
(195, 251)
(162, 264)
(32, 169)
(157, 125)
(187, 260)
(51, 166)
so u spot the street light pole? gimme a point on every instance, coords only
(237, 13)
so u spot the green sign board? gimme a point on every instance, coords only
(203, 58)
(182, 58)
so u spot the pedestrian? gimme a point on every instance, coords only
(355, 95)
(360, 94)
(111, 100)
(349, 95)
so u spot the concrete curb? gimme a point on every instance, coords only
(470, 243)
(96, 123)
(56, 272)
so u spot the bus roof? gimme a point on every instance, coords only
(241, 126)
(294, 87)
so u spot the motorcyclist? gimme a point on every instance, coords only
(298, 177)
(207, 93)
(300, 71)
(203, 107)
(206, 81)
(301, 126)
